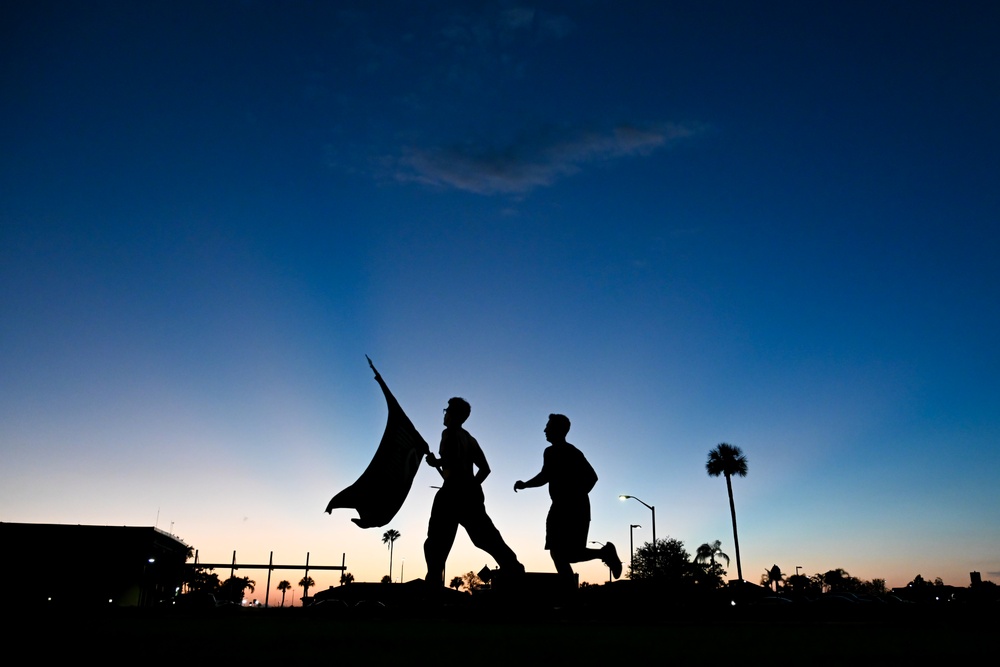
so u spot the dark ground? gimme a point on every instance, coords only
(497, 634)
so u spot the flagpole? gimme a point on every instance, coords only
(378, 378)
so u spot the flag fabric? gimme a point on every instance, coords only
(380, 491)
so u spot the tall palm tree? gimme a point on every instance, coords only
(388, 537)
(284, 585)
(729, 460)
(305, 583)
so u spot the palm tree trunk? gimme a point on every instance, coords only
(391, 541)
(736, 537)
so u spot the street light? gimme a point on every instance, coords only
(631, 546)
(650, 508)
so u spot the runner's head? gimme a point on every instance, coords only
(457, 412)
(557, 428)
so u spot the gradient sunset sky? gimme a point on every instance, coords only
(772, 224)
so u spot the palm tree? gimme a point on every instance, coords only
(283, 586)
(707, 553)
(729, 460)
(773, 578)
(346, 578)
(707, 557)
(305, 583)
(388, 537)
(839, 580)
(800, 583)
(233, 588)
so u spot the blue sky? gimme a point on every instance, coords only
(771, 224)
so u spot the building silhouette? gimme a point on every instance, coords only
(86, 566)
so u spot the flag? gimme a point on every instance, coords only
(383, 486)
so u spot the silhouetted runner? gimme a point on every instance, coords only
(570, 478)
(460, 499)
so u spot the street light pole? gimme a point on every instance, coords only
(653, 510)
(650, 508)
(631, 546)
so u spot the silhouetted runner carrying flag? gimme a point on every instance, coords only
(380, 491)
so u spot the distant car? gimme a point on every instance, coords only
(372, 605)
(771, 600)
(369, 608)
(840, 599)
(329, 608)
(197, 600)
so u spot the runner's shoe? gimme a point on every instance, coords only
(611, 559)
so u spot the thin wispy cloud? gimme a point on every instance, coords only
(531, 162)
(518, 17)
